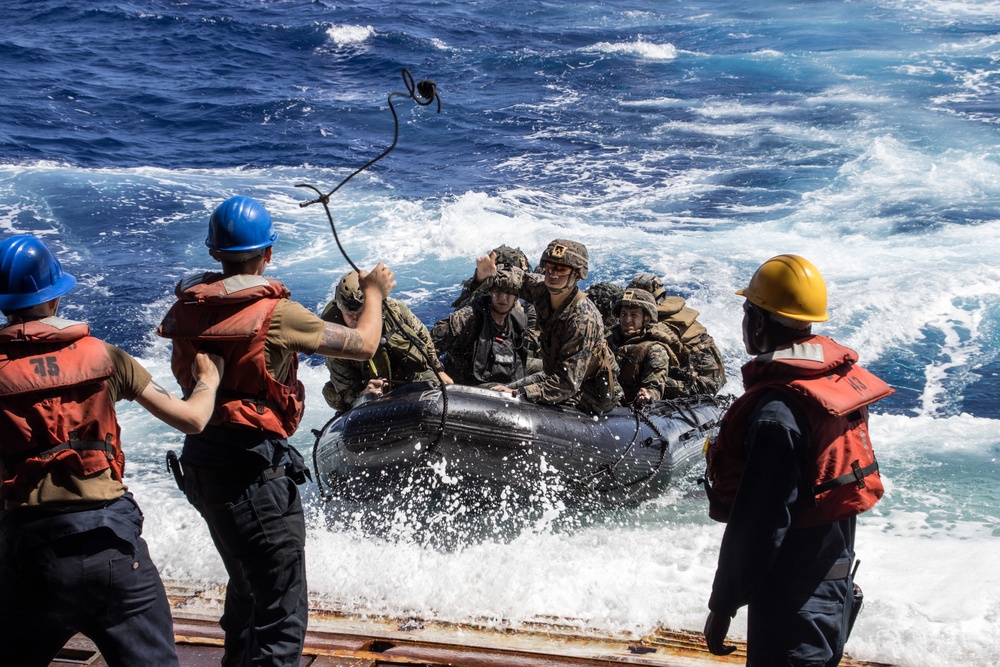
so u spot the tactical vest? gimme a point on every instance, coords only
(55, 408)
(397, 356)
(497, 356)
(825, 381)
(230, 316)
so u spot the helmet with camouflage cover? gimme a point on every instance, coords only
(507, 256)
(638, 298)
(350, 297)
(507, 281)
(568, 253)
(604, 296)
(649, 282)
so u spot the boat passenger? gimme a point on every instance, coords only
(640, 347)
(791, 468)
(605, 295)
(506, 258)
(484, 342)
(240, 472)
(72, 558)
(578, 369)
(405, 350)
(699, 368)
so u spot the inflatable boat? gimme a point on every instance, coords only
(480, 438)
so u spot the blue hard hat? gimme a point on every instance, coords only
(240, 224)
(30, 274)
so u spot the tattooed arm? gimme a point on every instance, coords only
(361, 342)
(188, 415)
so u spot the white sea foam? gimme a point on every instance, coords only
(344, 35)
(639, 48)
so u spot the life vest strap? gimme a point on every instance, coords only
(106, 446)
(856, 476)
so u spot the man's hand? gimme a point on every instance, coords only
(716, 628)
(643, 397)
(445, 378)
(207, 369)
(376, 386)
(504, 389)
(380, 278)
(486, 267)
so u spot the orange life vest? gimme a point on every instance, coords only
(230, 316)
(55, 409)
(823, 379)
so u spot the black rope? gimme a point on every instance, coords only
(423, 93)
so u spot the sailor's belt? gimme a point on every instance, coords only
(838, 570)
(233, 477)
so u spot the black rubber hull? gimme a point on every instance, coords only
(486, 438)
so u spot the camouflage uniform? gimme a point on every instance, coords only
(643, 362)
(506, 257)
(476, 350)
(577, 366)
(397, 358)
(699, 367)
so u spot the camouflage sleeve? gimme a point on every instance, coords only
(708, 375)
(580, 338)
(656, 370)
(345, 385)
(455, 332)
(470, 290)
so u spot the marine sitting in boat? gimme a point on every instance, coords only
(640, 347)
(578, 369)
(506, 258)
(405, 353)
(699, 368)
(484, 342)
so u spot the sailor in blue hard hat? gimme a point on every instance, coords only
(72, 558)
(30, 274)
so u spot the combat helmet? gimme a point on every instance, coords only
(350, 297)
(605, 296)
(651, 283)
(507, 281)
(507, 256)
(638, 298)
(568, 253)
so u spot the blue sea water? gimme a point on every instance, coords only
(691, 138)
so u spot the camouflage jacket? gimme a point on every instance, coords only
(397, 358)
(475, 350)
(471, 290)
(577, 366)
(698, 367)
(644, 362)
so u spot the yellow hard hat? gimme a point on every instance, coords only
(790, 286)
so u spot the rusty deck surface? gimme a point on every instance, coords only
(344, 640)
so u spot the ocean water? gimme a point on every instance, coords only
(691, 138)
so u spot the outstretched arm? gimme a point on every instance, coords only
(362, 342)
(188, 415)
